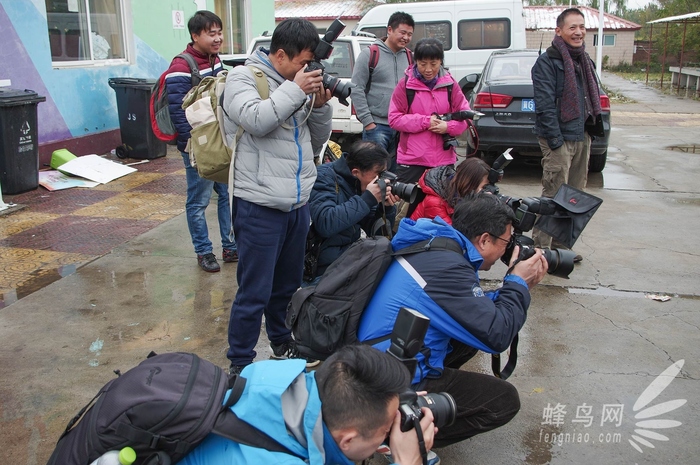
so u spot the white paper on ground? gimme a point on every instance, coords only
(96, 168)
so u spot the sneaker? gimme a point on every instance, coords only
(384, 450)
(230, 256)
(288, 350)
(208, 263)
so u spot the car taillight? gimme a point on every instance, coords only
(605, 103)
(352, 109)
(489, 100)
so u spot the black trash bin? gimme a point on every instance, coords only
(19, 145)
(133, 98)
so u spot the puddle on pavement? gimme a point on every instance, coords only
(689, 148)
(39, 280)
(606, 292)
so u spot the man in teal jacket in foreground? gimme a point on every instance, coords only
(338, 414)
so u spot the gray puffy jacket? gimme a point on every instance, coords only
(274, 165)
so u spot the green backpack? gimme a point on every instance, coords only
(203, 106)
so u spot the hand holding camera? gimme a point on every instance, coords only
(531, 269)
(404, 447)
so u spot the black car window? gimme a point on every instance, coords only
(483, 34)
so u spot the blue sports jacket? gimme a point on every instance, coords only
(281, 399)
(444, 286)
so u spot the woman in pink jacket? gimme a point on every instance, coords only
(428, 90)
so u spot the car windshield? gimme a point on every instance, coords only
(511, 67)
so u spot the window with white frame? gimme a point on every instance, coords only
(232, 14)
(608, 40)
(85, 31)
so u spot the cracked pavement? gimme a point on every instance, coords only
(592, 345)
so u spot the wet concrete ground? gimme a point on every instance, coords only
(592, 345)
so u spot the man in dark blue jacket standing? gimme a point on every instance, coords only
(444, 286)
(205, 29)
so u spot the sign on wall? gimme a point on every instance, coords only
(178, 19)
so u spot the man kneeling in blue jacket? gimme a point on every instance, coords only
(336, 415)
(444, 286)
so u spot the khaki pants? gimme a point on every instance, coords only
(566, 165)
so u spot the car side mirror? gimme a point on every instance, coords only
(469, 82)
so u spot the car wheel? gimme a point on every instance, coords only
(596, 163)
(489, 157)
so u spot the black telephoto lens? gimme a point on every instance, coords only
(560, 262)
(407, 192)
(442, 405)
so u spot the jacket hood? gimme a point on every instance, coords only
(411, 232)
(260, 59)
(438, 179)
(340, 166)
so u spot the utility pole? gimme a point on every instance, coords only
(599, 48)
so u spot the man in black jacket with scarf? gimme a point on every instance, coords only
(567, 105)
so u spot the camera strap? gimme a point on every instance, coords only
(510, 364)
(421, 440)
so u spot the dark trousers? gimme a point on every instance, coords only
(270, 266)
(484, 402)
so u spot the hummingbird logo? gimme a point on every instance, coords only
(647, 417)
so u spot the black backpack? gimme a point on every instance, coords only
(325, 317)
(162, 408)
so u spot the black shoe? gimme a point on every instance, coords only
(208, 263)
(230, 255)
(235, 369)
(288, 350)
(578, 258)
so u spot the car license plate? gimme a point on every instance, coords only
(528, 105)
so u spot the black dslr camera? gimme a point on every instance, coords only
(407, 191)
(560, 262)
(448, 140)
(406, 341)
(339, 89)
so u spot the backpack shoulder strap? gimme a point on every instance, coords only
(410, 93)
(196, 76)
(373, 60)
(409, 56)
(436, 243)
(260, 82)
(229, 426)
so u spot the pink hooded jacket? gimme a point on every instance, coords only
(417, 145)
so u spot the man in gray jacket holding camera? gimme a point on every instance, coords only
(274, 172)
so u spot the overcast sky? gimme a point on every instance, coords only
(635, 4)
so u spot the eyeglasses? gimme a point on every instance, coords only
(508, 242)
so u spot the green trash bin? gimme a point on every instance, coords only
(19, 145)
(133, 99)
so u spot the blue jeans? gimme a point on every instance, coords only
(271, 247)
(387, 138)
(198, 196)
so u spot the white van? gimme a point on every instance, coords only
(469, 29)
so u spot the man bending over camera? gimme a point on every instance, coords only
(444, 286)
(339, 414)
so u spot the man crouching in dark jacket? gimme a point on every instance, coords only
(346, 198)
(444, 286)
